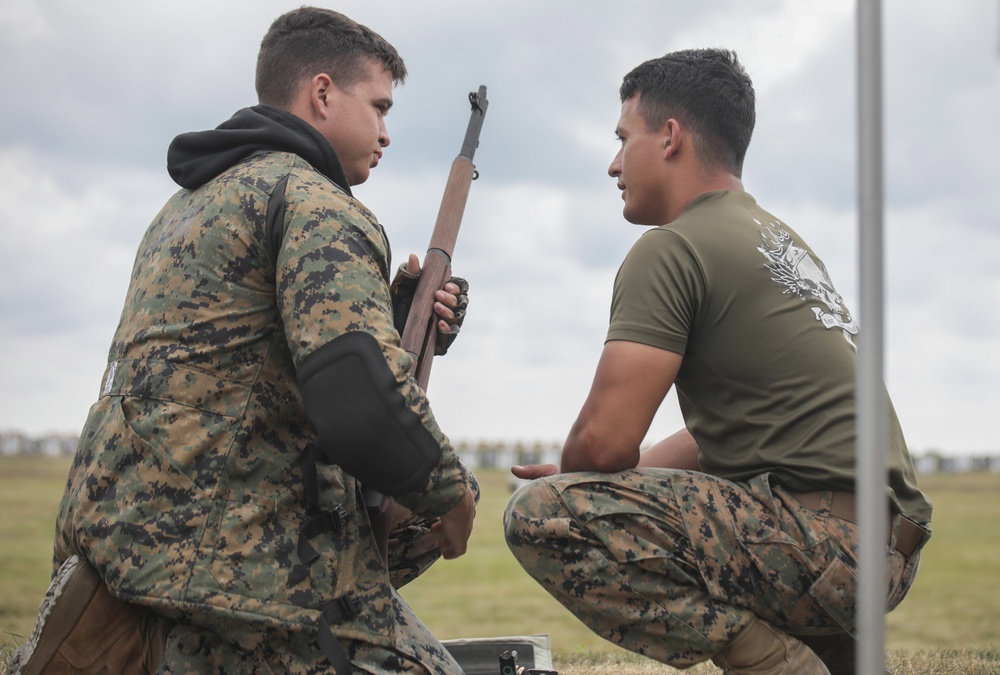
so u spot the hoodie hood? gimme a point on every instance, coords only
(197, 157)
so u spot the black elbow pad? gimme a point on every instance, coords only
(363, 421)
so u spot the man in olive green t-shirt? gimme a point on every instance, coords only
(735, 538)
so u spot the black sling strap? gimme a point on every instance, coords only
(275, 231)
(318, 521)
(342, 608)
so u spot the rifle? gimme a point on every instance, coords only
(420, 333)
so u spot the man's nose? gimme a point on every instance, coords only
(615, 169)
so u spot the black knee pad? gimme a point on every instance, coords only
(363, 421)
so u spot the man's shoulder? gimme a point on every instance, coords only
(718, 230)
(305, 192)
(719, 218)
(309, 191)
(264, 170)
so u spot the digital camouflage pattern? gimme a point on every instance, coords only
(675, 564)
(186, 493)
(190, 650)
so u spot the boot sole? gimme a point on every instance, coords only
(65, 600)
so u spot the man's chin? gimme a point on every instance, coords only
(633, 218)
(358, 179)
(645, 219)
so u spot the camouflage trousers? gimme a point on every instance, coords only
(245, 646)
(675, 564)
(190, 649)
(411, 551)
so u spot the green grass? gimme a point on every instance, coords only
(955, 600)
(950, 623)
(30, 489)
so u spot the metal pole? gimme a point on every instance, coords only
(872, 409)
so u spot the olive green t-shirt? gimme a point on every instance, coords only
(767, 383)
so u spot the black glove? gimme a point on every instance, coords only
(444, 340)
(401, 292)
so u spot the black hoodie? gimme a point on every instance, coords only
(197, 157)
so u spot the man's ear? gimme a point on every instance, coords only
(672, 136)
(313, 99)
(320, 92)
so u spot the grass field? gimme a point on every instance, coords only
(950, 623)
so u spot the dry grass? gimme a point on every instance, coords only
(919, 662)
(941, 662)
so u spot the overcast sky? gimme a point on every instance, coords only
(91, 93)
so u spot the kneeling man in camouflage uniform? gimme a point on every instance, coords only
(735, 538)
(214, 518)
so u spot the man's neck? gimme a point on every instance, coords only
(696, 188)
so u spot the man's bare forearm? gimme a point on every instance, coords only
(584, 451)
(677, 451)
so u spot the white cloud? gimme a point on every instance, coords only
(93, 97)
(64, 269)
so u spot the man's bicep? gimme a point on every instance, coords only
(330, 282)
(631, 382)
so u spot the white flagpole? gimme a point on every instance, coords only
(872, 409)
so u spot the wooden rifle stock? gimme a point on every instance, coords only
(420, 333)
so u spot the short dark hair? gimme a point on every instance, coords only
(706, 89)
(310, 40)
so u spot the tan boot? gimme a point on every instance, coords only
(762, 649)
(83, 629)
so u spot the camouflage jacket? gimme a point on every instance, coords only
(186, 493)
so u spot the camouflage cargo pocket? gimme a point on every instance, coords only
(254, 549)
(194, 442)
(141, 529)
(836, 592)
(764, 514)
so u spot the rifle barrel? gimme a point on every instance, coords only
(420, 333)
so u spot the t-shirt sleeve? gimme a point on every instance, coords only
(657, 292)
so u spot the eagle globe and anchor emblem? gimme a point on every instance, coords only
(801, 275)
